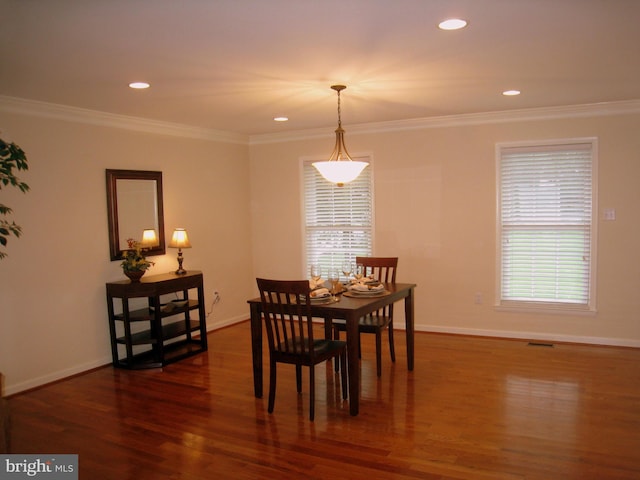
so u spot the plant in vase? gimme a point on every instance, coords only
(134, 263)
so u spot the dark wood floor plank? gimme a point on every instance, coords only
(473, 408)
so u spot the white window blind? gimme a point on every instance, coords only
(338, 220)
(546, 224)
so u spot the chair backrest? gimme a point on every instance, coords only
(287, 312)
(382, 268)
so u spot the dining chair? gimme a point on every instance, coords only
(384, 270)
(286, 309)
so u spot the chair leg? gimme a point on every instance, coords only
(272, 386)
(343, 373)
(312, 392)
(379, 352)
(336, 336)
(299, 378)
(392, 348)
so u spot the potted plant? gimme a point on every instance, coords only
(134, 263)
(11, 156)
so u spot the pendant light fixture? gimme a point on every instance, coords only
(340, 168)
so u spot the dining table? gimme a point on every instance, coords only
(351, 309)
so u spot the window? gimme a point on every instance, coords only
(338, 220)
(545, 221)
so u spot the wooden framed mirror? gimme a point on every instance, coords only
(134, 203)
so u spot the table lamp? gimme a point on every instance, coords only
(149, 238)
(180, 240)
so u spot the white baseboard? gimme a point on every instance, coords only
(225, 323)
(548, 337)
(507, 334)
(55, 376)
(69, 372)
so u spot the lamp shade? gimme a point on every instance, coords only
(340, 172)
(179, 239)
(149, 238)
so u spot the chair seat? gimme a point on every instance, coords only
(368, 323)
(373, 323)
(321, 347)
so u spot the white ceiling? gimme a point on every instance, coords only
(232, 65)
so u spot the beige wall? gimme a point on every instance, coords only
(52, 284)
(435, 209)
(435, 202)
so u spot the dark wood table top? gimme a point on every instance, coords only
(357, 306)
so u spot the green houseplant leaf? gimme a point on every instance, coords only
(12, 157)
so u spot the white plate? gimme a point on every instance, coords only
(319, 299)
(328, 299)
(373, 293)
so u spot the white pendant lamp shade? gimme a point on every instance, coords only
(340, 172)
(340, 168)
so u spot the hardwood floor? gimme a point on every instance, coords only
(474, 408)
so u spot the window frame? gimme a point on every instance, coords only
(306, 162)
(588, 308)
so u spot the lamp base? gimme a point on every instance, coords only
(180, 270)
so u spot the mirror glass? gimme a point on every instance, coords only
(134, 201)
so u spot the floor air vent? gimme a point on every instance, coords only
(540, 344)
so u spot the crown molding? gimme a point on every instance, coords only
(535, 114)
(94, 117)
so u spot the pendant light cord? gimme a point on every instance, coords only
(339, 116)
(339, 88)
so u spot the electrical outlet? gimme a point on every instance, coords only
(478, 298)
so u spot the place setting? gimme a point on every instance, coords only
(362, 286)
(319, 293)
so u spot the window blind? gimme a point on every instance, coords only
(338, 220)
(546, 231)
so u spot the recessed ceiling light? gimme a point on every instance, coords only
(511, 93)
(281, 119)
(139, 85)
(452, 24)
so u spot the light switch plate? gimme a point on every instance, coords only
(609, 213)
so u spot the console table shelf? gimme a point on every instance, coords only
(170, 332)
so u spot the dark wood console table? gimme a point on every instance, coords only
(163, 331)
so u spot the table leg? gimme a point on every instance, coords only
(112, 331)
(408, 313)
(353, 359)
(202, 317)
(256, 348)
(328, 328)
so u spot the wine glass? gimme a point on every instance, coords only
(334, 279)
(315, 274)
(359, 273)
(347, 268)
